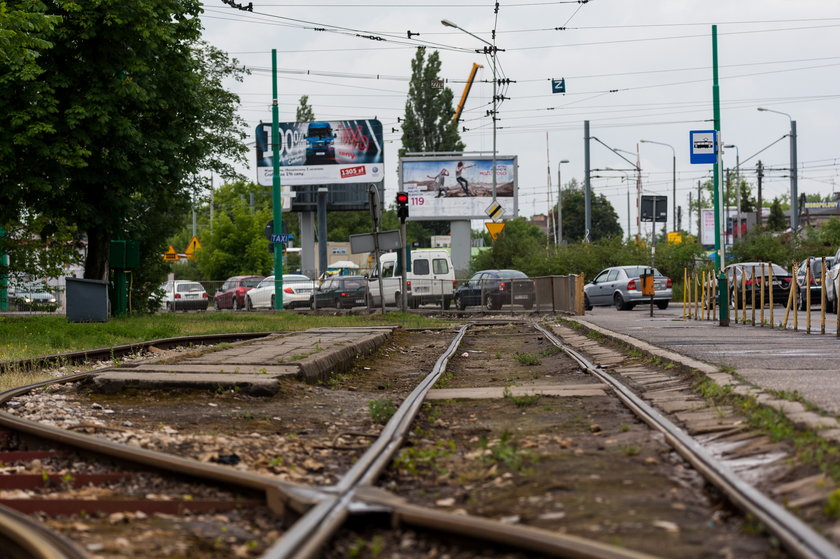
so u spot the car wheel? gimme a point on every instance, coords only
(459, 303)
(236, 305)
(587, 306)
(618, 300)
(447, 302)
(216, 304)
(802, 302)
(490, 303)
(312, 304)
(249, 306)
(528, 305)
(662, 305)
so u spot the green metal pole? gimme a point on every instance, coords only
(723, 289)
(276, 200)
(120, 292)
(4, 276)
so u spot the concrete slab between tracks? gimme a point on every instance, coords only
(494, 392)
(754, 362)
(254, 366)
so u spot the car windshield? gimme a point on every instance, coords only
(251, 282)
(267, 282)
(189, 287)
(637, 271)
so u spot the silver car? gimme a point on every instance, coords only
(622, 286)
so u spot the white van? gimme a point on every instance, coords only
(431, 279)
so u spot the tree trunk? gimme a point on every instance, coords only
(96, 261)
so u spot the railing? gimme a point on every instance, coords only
(752, 287)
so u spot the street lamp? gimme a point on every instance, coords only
(492, 53)
(674, 179)
(736, 230)
(794, 183)
(558, 230)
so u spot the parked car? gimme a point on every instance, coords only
(781, 281)
(231, 295)
(621, 286)
(816, 280)
(297, 289)
(341, 292)
(430, 280)
(182, 295)
(831, 284)
(493, 288)
(32, 296)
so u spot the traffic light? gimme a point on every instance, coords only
(402, 206)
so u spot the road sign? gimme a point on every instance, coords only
(558, 86)
(192, 247)
(703, 147)
(654, 208)
(494, 228)
(281, 237)
(437, 84)
(170, 255)
(495, 211)
(364, 242)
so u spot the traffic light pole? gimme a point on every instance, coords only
(402, 213)
(720, 262)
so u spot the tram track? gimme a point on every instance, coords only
(314, 515)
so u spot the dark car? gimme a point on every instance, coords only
(740, 278)
(341, 292)
(621, 286)
(815, 280)
(493, 288)
(231, 295)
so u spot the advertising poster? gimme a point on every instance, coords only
(457, 188)
(326, 152)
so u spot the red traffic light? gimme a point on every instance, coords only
(402, 197)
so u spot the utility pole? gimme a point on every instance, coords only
(760, 173)
(276, 201)
(587, 186)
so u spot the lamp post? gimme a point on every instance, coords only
(794, 182)
(492, 52)
(736, 231)
(558, 231)
(673, 178)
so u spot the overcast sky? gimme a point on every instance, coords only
(636, 69)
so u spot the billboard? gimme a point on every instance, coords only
(441, 188)
(324, 152)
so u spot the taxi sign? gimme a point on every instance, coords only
(170, 255)
(192, 247)
(494, 228)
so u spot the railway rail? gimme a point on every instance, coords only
(312, 515)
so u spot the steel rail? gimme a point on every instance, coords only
(33, 539)
(355, 494)
(799, 539)
(121, 350)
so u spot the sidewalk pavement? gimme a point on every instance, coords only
(767, 358)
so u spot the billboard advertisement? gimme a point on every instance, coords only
(324, 152)
(457, 187)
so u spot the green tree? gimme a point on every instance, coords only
(304, 112)
(428, 124)
(129, 107)
(518, 245)
(776, 221)
(604, 218)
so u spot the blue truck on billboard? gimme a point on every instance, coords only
(323, 152)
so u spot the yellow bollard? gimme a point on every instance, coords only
(808, 280)
(703, 297)
(763, 278)
(822, 296)
(744, 296)
(794, 293)
(696, 299)
(685, 289)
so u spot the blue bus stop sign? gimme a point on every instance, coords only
(703, 147)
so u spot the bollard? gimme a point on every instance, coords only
(685, 288)
(743, 296)
(770, 291)
(696, 299)
(808, 296)
(794, 291)
(822, 296)
(763, 277)
(735, 294)
(703, 314)
(752, 289)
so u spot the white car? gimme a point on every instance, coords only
(297, 289)
(182, 295)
